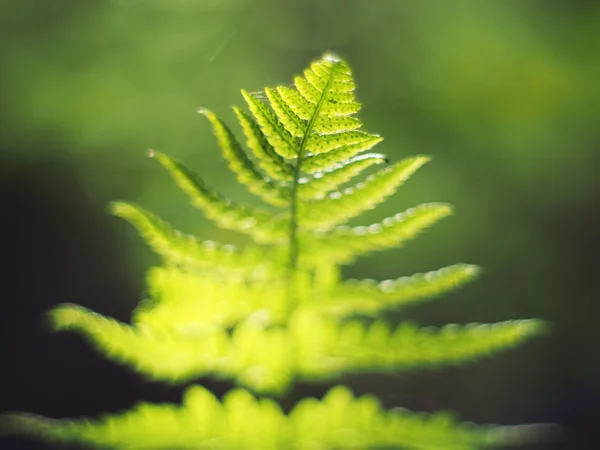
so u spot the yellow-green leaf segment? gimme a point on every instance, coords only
(277, 310)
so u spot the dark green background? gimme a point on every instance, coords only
(503, 95)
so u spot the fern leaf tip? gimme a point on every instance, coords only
(471, 269)
(332, 57)
(538, 326)
(210, 115)
(64, 316)
(120, 208)
(422, 159)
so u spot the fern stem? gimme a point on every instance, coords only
(293, 262)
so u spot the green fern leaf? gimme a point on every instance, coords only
(241, 165)
(263, 226)
(413, 347)
(339, 207)
(320, 183)
(335, 348)
(267, 158)
(279, 138)
(296, 102)
(370, 297)
(323, 143)
(219, 301)
(264, 358)
(177, 351)
(278, 310)
(288, 118)
(336, 124)
(161, 354)
(325, 161)
(178, 248)
(242, 422)
(345, 244)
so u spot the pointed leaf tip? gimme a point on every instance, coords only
(150, 153)
(471, 269)
(64, 316)
(119, 208)
(114, 208)
(423, 159)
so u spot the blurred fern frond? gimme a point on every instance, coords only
(241, 420)
(278, 310)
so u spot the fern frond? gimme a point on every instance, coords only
(242, 422)
(322, 143)
(305, 110)
(320, 183)
(241, 165)
(290, 121)
(296, 102)
(376, 348)
(182, 300)
(330, 76)
(336, 124)
(339, 207)
(308, 91)
(345, 244)
(266, 157)
(370, 297)
(261, 225)
(335, 348)
(267, 359)
(177, 352)
(164, 354)
(326, 161)
(278, 310)
(279, 138)
(185, 250)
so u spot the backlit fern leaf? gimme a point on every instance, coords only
(318, 184)
(338, 421)
(370, 297)
(243, 167)
(185, 250)
(324, 161)
(277, 310)
(344, 244)
(275, 131)
(273, 165)
(267, 359)
(219, 301)
(339, 207)
(263, 226)
(410, 347)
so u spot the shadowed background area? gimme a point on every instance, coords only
(503, 95)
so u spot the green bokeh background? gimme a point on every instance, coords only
(502, 94)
